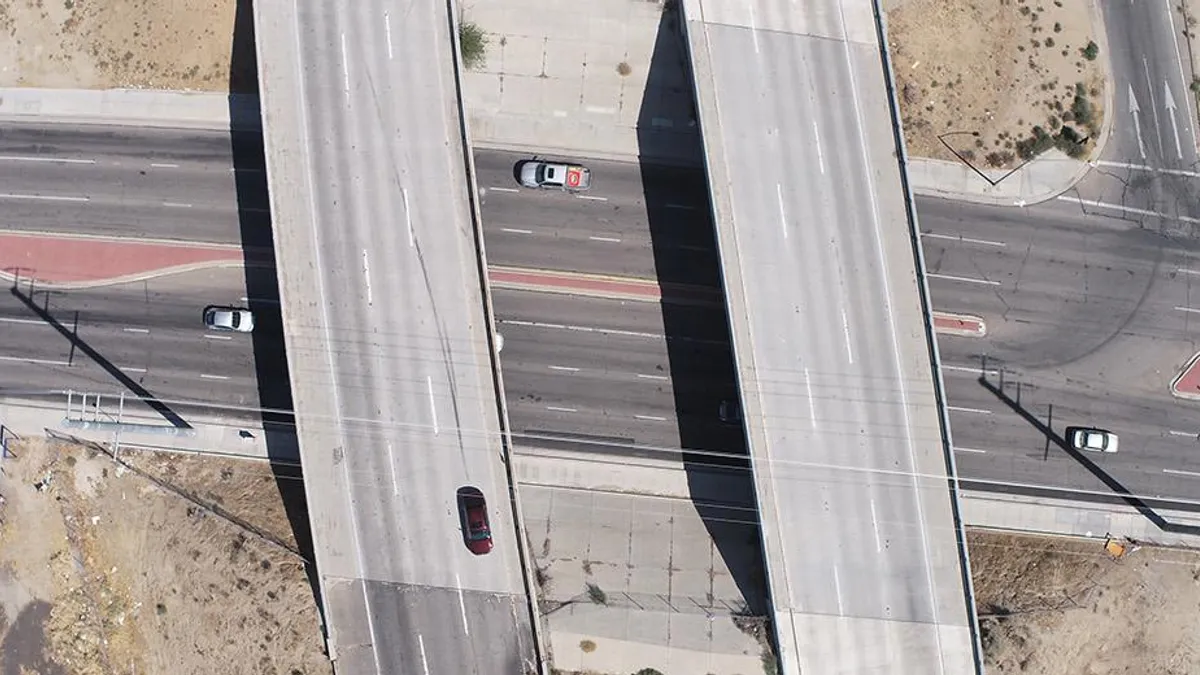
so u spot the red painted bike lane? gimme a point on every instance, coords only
(82, 261)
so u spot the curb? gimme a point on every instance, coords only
(962, 320)
(1192, 362)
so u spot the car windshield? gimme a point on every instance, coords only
(540, 174)
(235, 319)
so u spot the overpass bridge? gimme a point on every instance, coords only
(831, 328)
(390, 358)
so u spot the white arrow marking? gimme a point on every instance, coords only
(1174, 123)
(1137, 126)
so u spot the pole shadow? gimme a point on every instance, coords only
(78, 344)
(703, 373)
(1122, 494)
(262, 286)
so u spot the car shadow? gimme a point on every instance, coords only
(1148, 508)
(703, 372)
(262, 287)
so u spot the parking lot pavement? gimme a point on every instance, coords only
(623, 575)
(564, 76)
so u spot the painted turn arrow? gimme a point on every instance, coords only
(1137, 126)
(1174, 124)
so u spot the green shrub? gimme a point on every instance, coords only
(1091, 51)
(473, 43)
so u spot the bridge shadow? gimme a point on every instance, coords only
(1148, 508)
(262, 286)
(703, 374)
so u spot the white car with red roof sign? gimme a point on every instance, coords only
(539, 174)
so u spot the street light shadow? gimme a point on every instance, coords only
(78, 343)
(1120, 492)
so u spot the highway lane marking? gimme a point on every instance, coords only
(979, 411)
(157, 165)
(11, 158)
(40, 362)
(45, 198)
(462, 605)
(136, 330)
(1129, 209)
(970, 370)
(592, 197)
(611, 240)
(131, 369)
(206, 376)
(387, 31)
(846, 332)
(837, 588)
(367, 276)
(177, 205)
(558, 409)
(1180, 472)
(432, 403)
(967, 240)
(1190, 310)
(682, 207)
(345, 68)
(969, 280)
(653, 377)
(1150, 169)
(1182, 270)
(392, 466)
(820, 153)
(875, 525)
(1188, 434)
(274, 301)
(650, 418)
(503, 189)
(217, 337)
(812, 400)
(582, 329)
(565, 369)
(412, 240)
(782, 211)
(246, 170)
(971, 450)
(26, 321)
(421, 644)
(515, 230)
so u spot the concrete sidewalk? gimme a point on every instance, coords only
(169, 109)
(212, 436)
(1044, 178)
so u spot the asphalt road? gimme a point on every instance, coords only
(160, 183)
(386, 337)
(141, 338)
(1089, 319)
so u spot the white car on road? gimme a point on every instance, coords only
(1093, 440)
(535, 173)
(229, 319)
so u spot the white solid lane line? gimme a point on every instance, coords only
(503, 189)
(209, 336)
(31, 322)
(40, 362)
(1178, 472)
(432, 403)
(965, 240)
(593, 198)
(1189, 310)
(164, 166)
(177, 205)
(612, 240)
(131, 369)
(682, 207)
(976, 370)
(969, 280)
(558, 409)
(44, 198)
(565, 369)
(1128, 209)
(206, 376)
(954, 408)
(136, 330)
(971, 450)
(515, 230)
(650, 418)
(52, 160)
(653, 377)
(1185, 434)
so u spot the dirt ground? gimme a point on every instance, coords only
(182, 45)
(107, 568)
(1053, 606)
(980, 75)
